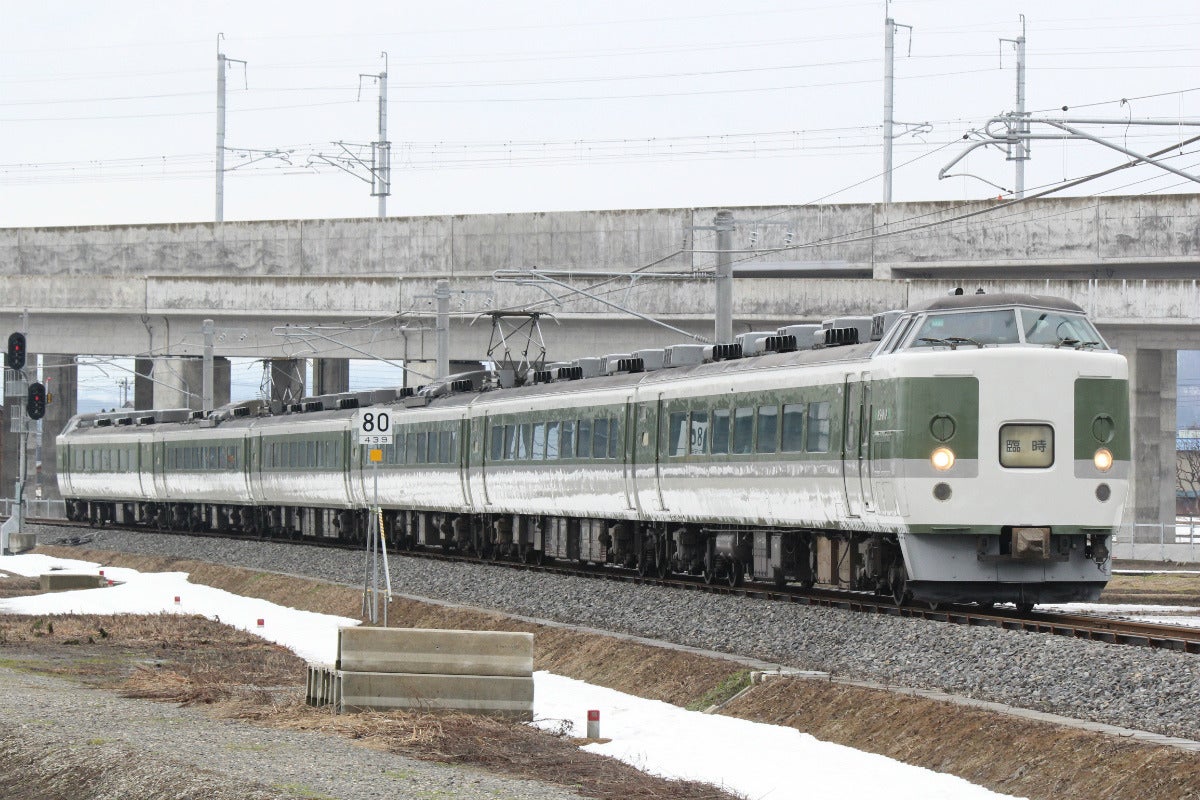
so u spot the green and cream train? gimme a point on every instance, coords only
(976, 449)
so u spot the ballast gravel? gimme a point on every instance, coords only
(1131, 687)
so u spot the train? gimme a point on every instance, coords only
(973, 448)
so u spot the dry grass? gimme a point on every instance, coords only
(1001, 752)
(1160, 589)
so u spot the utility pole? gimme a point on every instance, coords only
(206, 398)
(381, 150)
(723, 223)
(1018, 150)
(441, 293)
(222, 60)
(889, 59)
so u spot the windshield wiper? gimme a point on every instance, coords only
(950, 341)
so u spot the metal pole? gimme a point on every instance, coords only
(442, 294)
(385, 165)
(1022, 143)
(220, 212)
(724, 311)
(207, 391)
(889, 56)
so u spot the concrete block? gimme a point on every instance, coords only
(21, 542)
(443, 652)
(65, 581)
(472, 694)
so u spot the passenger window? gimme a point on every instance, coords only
(568, 439)
(720, 431)
(497, 450)
(614, 437)
(524, 440)
(768, 428)
(818, 427)
(676, 445)
(552, 434)
(539, 441)
(743, 430)
(510, 442)
(585, 439)
(435, 455)
(422, 447)
(793, 428)
(449, 456)
(600, 437)
(699, 433)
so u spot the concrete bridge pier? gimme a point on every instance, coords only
(61, 376)
(1152, 378)
(331, 375)
(143, 384)
(287, 379)
(178, 382)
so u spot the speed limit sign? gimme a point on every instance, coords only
(374, 426)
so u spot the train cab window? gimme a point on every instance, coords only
(584, 429)
(793, 428)
(818, 428)
(568, 439)
(767, 440)
(968, 328)
(720, 431)
(600, 437)
(496, 452)
(677, 443)
(743, 430)
(552, 440)
(539, 441)
(1056, 328)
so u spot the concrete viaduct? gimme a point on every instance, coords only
(336, 289)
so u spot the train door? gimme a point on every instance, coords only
(856, 445)
(485, 463)
(470, 450)
(658, 438)
(145, 469)
(253, 445)
(628, 447)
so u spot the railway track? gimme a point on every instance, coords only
(1077, 626)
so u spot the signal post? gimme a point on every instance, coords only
(23, 419)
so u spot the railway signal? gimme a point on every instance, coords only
(15, 358)
(35, 403)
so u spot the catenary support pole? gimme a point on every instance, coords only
(724, 306)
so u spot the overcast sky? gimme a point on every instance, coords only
(108, 110)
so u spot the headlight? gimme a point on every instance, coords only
(942, 459)
(1103, 459)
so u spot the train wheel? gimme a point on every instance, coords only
(900, 590)
(709, 573)
(1024, 607)
(737, 574)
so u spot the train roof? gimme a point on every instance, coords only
(958, 302)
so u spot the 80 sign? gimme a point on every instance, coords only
(374, 427)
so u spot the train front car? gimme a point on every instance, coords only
(1011, 451)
